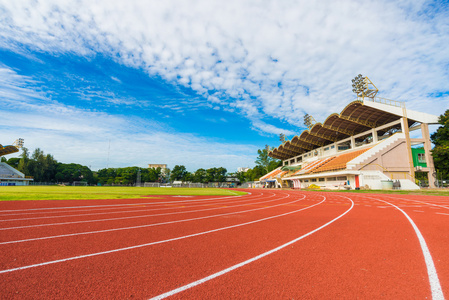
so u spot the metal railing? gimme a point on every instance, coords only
(385, 101)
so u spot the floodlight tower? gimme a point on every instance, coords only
(363, 87)
(282, 138)
(18, 143)
(309, 121)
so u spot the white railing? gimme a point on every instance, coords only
(385, 101)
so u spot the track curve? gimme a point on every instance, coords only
(267, 244)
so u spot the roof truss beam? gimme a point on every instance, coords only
(359, 121)
(339, 130)
(277, 155)
(293, 148)
(326, 137)
(287, 152)
(306, 147)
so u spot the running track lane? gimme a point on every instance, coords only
(368, 253)
(118, 263)
(105, 241)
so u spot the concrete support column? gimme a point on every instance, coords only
(404, 126)
(374, 133)
(428, 154)
(352, 142)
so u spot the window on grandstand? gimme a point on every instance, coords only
(285, 163)
(292, 161)
(344, 146)
(306, 180)
(333, 146)
(363, 140)
(421, 158)
(299, 159)
(320, 179)
(387, 132)
(313, 180)
(341, 178)
(326, 149)
(331, 178)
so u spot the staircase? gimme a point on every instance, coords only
(361, 159)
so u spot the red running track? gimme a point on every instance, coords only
(268, 244)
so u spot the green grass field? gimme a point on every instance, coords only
(8, 193)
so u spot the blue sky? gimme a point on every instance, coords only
(204, 83)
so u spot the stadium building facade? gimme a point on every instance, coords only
(9, 175)
(368, 145)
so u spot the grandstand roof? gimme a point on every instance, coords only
(4, 150)
(357, 117)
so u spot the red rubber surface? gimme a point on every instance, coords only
(106, 249)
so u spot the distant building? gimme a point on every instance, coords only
(9, 175)
(242, 169)
(155, 166)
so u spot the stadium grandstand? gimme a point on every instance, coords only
(367, 145)
(9, 175)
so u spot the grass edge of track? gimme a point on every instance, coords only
(26, 193)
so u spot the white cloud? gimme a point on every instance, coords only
(98, 139)
(278, 58)
(268, 128)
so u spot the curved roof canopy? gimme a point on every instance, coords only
(355, 118)
(7, 149)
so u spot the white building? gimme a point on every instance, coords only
(9, 175)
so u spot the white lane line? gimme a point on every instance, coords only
(431, 204)
(418, 211)
(131, 211)
(435, 286)
(157, 242)
(215, 275)
(123, 204)
(132, 205)
(125, 218)
(146, 225)
(442, 214)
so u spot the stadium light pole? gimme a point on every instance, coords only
(309, 121)
(363, 87)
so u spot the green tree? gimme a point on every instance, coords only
(188, 177)
(241, 176)
(152, 175)
(178, 173)
(220, 174)
(210, 174)
(23, 162)
(266, 162)
(13, 161)
(74, 172)
(440, 139)
(199, 176)
(255, 173)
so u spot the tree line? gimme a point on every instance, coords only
(440, 153)
(45, 168)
